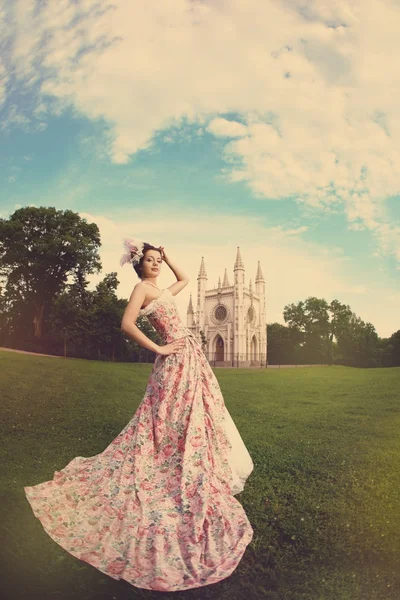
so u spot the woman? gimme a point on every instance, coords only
(157, 506)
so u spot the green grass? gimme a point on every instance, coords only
(324, 497)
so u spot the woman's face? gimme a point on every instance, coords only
(151, 264)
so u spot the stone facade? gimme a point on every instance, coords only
(231, 317)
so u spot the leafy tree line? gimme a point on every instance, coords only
(46, 256)
(318, 332)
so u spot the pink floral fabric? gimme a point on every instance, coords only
(156, 507)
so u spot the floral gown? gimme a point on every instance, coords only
(157, 506)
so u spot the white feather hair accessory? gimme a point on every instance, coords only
(132, 245)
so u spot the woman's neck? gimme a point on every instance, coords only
(151, 283)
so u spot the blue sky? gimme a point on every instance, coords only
(197, 127)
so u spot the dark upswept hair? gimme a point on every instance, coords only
(138, 265)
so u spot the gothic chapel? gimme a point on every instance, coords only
(231, 317)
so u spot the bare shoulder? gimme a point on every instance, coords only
(139, 291)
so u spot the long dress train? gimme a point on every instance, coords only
(157, 506)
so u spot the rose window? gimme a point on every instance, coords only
(220, 313)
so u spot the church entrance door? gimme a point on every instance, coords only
(219, 348)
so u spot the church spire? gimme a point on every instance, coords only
(225, 282)
(238, 263)
(259, 276)
(202, 272)
(190, 310)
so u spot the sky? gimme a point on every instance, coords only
(203, 126)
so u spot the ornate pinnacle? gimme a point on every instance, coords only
(190, 307)
(202, 272)
(226, 282)
(238, 263)
(259, 276)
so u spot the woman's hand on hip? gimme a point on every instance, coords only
(172, 347)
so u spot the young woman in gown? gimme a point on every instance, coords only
(157, 506)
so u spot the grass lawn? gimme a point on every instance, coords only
(323, 499)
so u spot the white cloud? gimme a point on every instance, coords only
(40, 110)
(17, 206)
(225, 128)
(293, 269)
(316, 86)
(17, 117)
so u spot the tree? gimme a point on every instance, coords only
(282, 342)
(105, 317)
(89, 323)
(4, 318)
(332, 332)
(341, 315)
(394, 341)
(64, 316)
(359, 344)
(310, 321)
(39, 249)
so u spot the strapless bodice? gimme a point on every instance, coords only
(162, 312)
